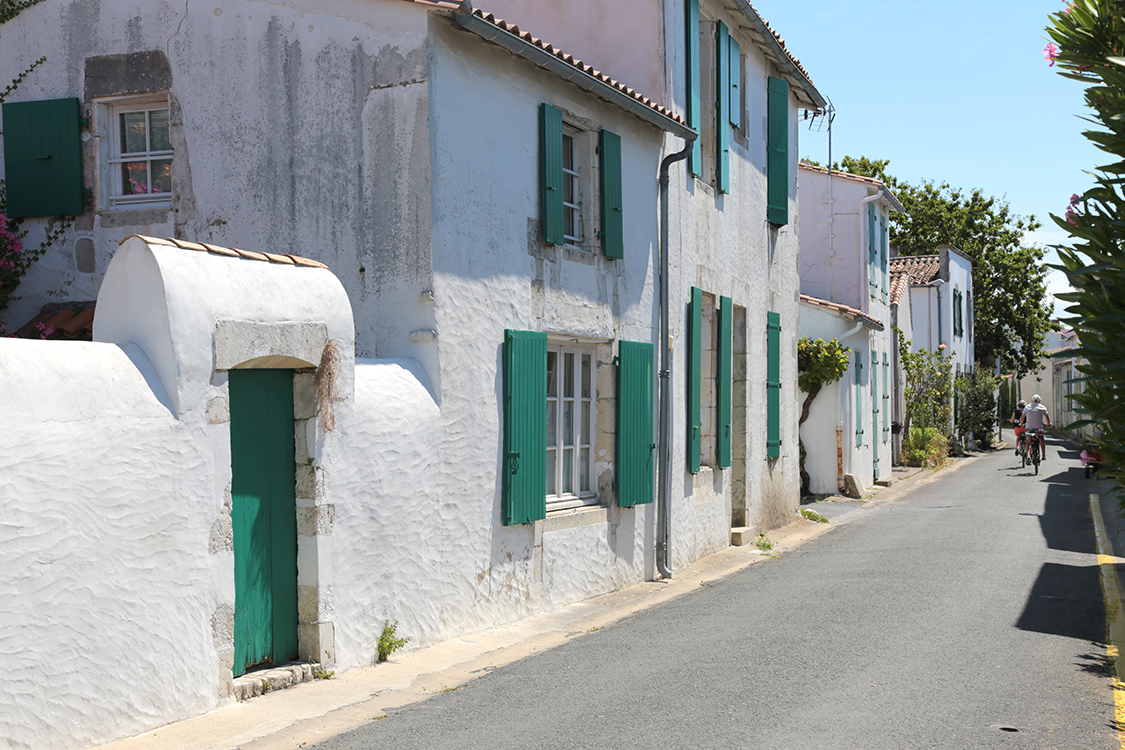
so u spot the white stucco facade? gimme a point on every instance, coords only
(385, 141)
(932, 307)
(845, 255)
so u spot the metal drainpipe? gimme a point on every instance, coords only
(664, 457)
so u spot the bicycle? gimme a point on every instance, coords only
(1032, 440)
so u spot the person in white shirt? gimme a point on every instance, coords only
(1035, 417)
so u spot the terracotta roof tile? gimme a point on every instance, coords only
(231, 252)
(851, 312)
(918, 269)
(781, 43)
(576, 63)
(68, 321)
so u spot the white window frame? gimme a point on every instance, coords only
(582, 441)
(573, 142)
(112, 184)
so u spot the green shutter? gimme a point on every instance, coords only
(735, 88)
(777, 152)
(872, 251)
(875, 411)
(524, 464)
(886, 399)
(722, 107)
(723, 380)
(691, 50)
(43, 158)
(884, 255)
(635, 446)
(694, 379)
(551, 173)
(773, 385)
(858, 400)
(613, 225)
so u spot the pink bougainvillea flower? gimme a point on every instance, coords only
(1050, 52)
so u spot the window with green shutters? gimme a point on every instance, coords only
(551, 174)
(723, 381)
(523, 466)
(691, 52)
(722, 107)
(695, 380)
(858, 400)
(777, 152)
(958, 323)
(875, 411)
(613, 225)
(773, 385)
(43, 158)
(872, 252)
(635, 447)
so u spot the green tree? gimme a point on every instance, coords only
(976, 402)
(1088, 44)
(1010, 307)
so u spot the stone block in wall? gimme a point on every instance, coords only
(304, 395)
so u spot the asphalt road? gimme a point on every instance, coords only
(967, 614)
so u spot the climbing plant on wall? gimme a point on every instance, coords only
(819, 363)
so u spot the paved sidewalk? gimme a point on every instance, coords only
(312, 712)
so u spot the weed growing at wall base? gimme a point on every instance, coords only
(388, 643)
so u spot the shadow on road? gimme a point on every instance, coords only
(1066, 599)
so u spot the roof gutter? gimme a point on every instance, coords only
(528, 51)
(780, 56)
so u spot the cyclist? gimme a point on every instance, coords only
(1017, 413)
(1035, 417)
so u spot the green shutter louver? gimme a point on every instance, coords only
(551, 173)
(694, 379)
(735, 87)
(724, 371)
(858, 400)
(691, 51)
(875, 411)
(773, 385)
(886, 399)
(523, 467)
(777, 152)
(613, 220)
(872, 251)
(43, 158)
(722, 107)
(635, 447)
(884, 255)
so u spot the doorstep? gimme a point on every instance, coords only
(262, 681)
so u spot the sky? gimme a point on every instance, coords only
(955, 92)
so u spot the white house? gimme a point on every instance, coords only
(490, 208)
(846, 295)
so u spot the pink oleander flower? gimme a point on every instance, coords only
(941, 347)
(44, 330)
(1070, 210)
(1050, 52)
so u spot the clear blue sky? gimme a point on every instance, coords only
(953, 92)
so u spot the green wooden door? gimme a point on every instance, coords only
(264, 517)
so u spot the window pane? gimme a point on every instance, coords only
(568, 152)
(162, 176)
(570, 222)
(568, 471)
(134, 178)
(585, 436)
(552, 373)
(568, 423)
(568, 375)
(552, 457)
(133, 140)
(552, 422)
(584, 471)
(158, 130)
(586, 364)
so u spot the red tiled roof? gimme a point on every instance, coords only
(231, 252)
(918, 269)
(576, 64)
(851, 312)
(68, 321)
(781, 43)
